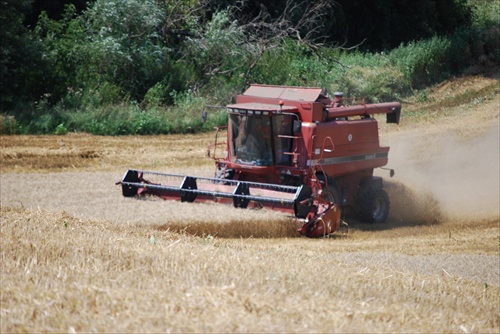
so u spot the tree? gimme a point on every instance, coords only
(124, 45)
(20, 57)
(61, 43)
(385, 24)
(54, 9)
(235, 39)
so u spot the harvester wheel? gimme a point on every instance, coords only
(332, 194)
(374, 206)
(302, 206)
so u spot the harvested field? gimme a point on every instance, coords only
(79, 257)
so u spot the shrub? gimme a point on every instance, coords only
(423, 62)
(485, 13)
(7, 125)
(373, 85)
(60, 130)
(367, 76)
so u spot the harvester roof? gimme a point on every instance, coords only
(261, 106)
(305, 94)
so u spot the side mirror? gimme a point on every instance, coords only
(394, 116)
(297, 126)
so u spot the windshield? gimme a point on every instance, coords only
(252, 139)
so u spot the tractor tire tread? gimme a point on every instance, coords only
(374, 206)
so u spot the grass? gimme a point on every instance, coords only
(64, 274)
(452, 98)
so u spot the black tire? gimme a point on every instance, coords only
(374, 206)
(332, 194)
(302, 210)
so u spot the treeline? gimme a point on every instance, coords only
(151, 66)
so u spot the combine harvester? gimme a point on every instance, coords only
(291, 149)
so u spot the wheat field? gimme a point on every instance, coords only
(76, 256)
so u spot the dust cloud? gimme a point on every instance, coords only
(446, 174)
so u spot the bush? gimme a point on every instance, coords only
(7, 125)
(60, 130)
(373, 85)
(423, 62)
(132, 118)
(486, 13)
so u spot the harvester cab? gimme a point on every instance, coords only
(290, 149)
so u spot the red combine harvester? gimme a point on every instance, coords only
(291, 149)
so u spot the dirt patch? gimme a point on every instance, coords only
(49, 159)
(94, 195)
(84, 152)
(465, 266)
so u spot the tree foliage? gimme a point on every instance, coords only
(62, 57)
(385, 24)
(59, 40)
(20, 57)
(124, 46)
